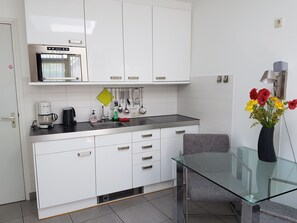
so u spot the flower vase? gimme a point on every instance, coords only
(265, 145)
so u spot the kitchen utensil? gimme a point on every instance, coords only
(126, 110)
(120, 108)
(116, 102)
(142, 110)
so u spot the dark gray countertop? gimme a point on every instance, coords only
(135, 124)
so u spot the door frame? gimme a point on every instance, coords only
(20, 104)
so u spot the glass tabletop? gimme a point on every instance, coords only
(242, 173)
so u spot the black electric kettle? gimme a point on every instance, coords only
(68, 116)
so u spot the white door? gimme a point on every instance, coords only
(11, 172)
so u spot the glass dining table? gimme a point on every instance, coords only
(259, 181)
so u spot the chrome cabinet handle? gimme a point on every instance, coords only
(59, 78)
(180, 132)
(147, 158)
(82, 154)
(147, 167)
(161, 78)
(10, 118)
(133, 78)
(74, 41)
(147, 147)
(147, 135)
(115, 77)
(123, 148)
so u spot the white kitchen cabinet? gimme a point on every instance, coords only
(171, 44)
(55, 22)
(104, 40)
(65, 176)
(146, 157)
(113, 163)
(137, 22)
(171, 146)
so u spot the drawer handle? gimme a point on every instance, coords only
(147, 167)
(147, 147)
(147, 135)
(147, 158)
(74, 41)
(82, 154)
(180, 132)
(115, 77)
(160, 78)
(133, 78)
(123, 148)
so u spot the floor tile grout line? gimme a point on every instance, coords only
(116, 214)
(160, 210)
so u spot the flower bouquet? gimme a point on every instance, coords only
(267, 110)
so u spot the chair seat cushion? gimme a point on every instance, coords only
(201, 189)
(276, 211)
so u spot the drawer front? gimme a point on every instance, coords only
(112, 139)
(178, 131)
(144, 158)
(141, 147)
(146, 174)
(146, 135)
(63, 145)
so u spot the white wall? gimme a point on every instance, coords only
(159, 100)
(239, 38)
(209, 101)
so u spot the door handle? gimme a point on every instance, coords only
(10, 118)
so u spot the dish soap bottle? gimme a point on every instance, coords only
(93, 117)
(115, 115)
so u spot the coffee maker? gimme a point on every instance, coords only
(44, 116)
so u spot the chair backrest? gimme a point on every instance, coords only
(197, 143)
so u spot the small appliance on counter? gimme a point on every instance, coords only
(45, 118)
(68, 116)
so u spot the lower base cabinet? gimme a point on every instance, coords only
(113, 163)
(66, 176)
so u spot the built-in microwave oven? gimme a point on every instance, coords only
(57, 63)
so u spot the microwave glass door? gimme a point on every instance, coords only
(59, 67)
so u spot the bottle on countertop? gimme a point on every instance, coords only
(93, 117)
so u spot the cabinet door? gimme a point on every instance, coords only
(55, 22)
(104, 40)
(171, 146)
(113, 168)
(65, 177)
(137, 21)
(171, 44)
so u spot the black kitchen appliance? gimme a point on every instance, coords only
(68, 116)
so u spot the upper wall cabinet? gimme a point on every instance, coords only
(171, 44)
(104, 37)
(55, 22)
(137, 22)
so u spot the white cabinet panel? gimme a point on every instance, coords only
(113, 168)
(146, 174)
(65, 177)
(137, 21)
(140, 147)
(171, 146)
(112, 139)
(104, 40)
(146, 135)
(55, 22)
(171, 44)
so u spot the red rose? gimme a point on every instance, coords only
(254, 94)
(264, 93)
(292, 104)
(262, 100)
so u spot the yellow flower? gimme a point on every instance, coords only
(275, 99)
(278, 104)
(250, 105)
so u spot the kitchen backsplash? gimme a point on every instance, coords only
(158, 100)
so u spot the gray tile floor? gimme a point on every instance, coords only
(158, 207)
